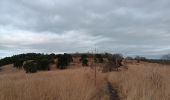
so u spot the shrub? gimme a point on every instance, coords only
(43, 64)
(68, 57)
(25, 57)
(18, 64)
(117, 59)
(98, 58)
(114, 62)
(30, 67)
(138, 58)
(129, 58)
(85, 62)
(64, 60)
(95, 59)
(83, 56)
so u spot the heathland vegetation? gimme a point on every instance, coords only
(84, 77)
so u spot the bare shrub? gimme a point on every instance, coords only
(114, 62)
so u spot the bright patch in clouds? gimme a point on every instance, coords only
(25, 41)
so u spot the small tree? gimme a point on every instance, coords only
(30, 67)
(137, 58)
(117, 59)
(85, 62)
(68, 57)
(62, 62)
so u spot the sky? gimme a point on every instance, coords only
(130, 27)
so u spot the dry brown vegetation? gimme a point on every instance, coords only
(69, 84)
(143, 81)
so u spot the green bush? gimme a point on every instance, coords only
(43, 64)
(64, 60)
(30, 67)
(85, 62)
(25, 57)
(18, 64)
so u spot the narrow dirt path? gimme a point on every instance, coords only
(113, 92)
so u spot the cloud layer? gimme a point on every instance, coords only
(131, 27)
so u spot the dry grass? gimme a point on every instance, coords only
(7, 69)
(77, 84)
(143, 82)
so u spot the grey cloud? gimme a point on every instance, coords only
(135, 26)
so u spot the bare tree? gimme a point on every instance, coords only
(129, 58)
(114, 62)
(138, 58)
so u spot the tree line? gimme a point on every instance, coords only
(33, 62)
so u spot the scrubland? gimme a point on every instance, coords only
(73, 84)
(141, 81)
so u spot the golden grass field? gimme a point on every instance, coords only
(143, 81)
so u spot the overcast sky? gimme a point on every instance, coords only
(130, 27)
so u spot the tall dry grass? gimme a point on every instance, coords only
(143, 82)
(77, 84)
